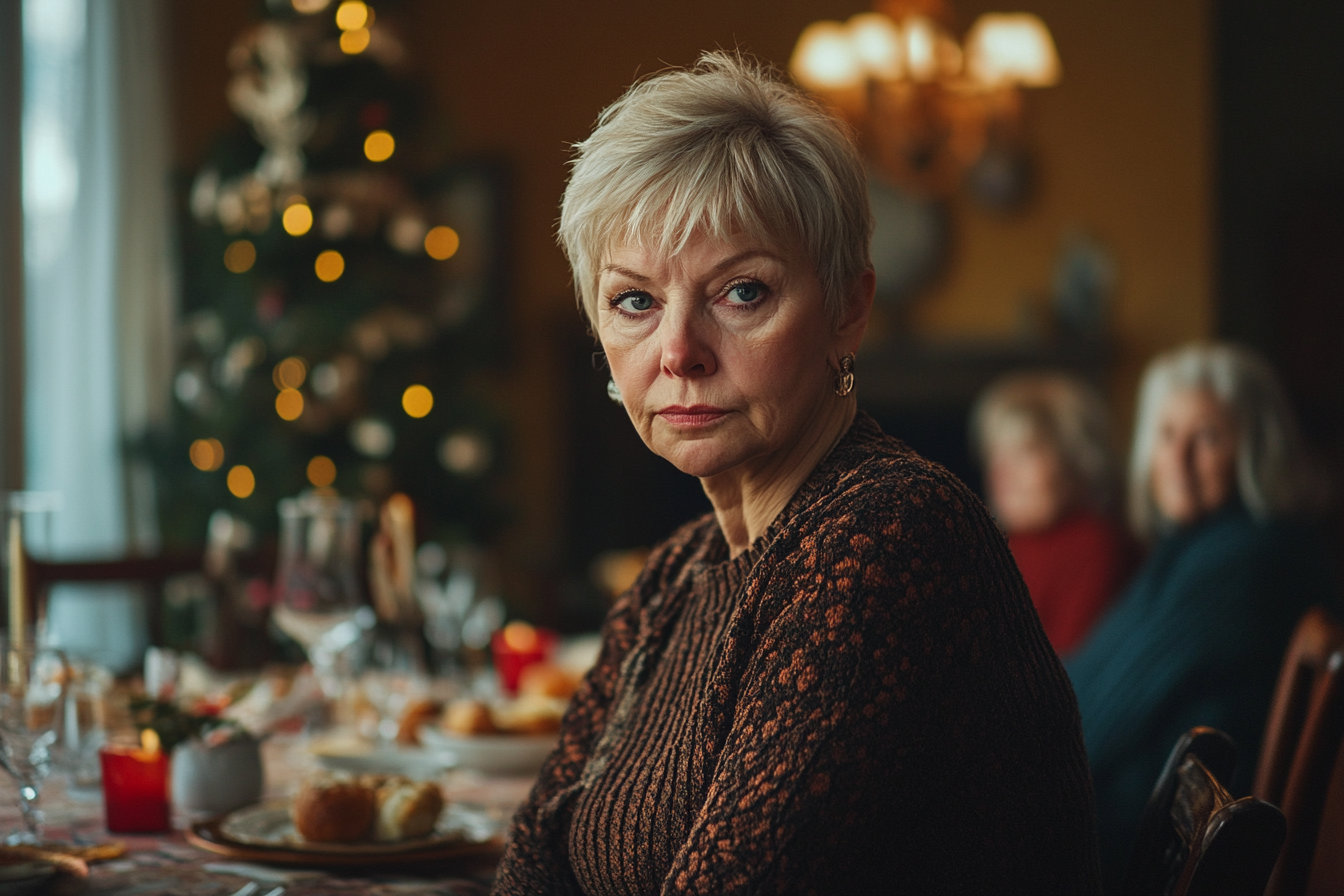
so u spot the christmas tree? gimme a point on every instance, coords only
(342, 292)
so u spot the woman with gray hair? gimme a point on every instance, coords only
(1221, 485)
(1050, 475)
(834, 682)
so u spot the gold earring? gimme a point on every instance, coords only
(844, 383)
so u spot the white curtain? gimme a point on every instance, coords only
(98, 292)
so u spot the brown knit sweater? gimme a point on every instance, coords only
(863, 702)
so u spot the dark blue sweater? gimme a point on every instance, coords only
(1197, 639)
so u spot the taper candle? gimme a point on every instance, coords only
(18, 582)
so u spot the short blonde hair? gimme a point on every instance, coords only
(1276, 475)
(1064, 412)
(725, 146)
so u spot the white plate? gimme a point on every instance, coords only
(496, 754)
(270, 825)
(421, 764)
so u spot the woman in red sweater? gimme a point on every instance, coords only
(1050, 477)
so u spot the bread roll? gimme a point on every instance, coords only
(407, 809)
(334, 809)
(417, 714)
(547, 680)
(468, 717)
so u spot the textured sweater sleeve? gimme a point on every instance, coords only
(869, 639)
(536, 859)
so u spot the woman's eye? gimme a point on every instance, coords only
(745, 293)
(634, 301)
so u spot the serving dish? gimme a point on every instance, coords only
(414, 762)
(496, 754)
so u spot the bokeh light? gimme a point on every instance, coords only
(352, 14)
(372, 437)
(321, 471)
(241, 482)
(289, 373)
(379, 146)
(465, 453)
(308, 7)
(441, 243)
(355, 41)
(289, 404)
(240, 256)
(206, 454)
(520, 636)
(297, 219)
(417, 401)
(330, 265)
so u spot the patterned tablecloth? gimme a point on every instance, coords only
(163, 864)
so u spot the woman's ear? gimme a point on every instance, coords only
(854, 320)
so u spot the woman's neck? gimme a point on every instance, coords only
(747, 498)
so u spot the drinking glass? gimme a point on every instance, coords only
(318, 597)
(392, 679)
(32, 713)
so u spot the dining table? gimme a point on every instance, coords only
(166, 863)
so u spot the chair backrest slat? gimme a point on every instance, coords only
(1302, 741)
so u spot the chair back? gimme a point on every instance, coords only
(1195, 838)
(150, 572)
(1302, 742)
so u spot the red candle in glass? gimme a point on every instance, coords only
(135, 788)
(517, 646)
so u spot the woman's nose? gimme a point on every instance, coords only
(686, 349)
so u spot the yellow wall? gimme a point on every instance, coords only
(1122, 148)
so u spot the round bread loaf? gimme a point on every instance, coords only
(334, 810)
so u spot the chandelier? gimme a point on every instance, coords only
(930, 111)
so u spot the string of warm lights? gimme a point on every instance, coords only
(269, 90)
(289, 376)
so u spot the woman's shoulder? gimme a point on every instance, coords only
(875, 478)
(877, 504)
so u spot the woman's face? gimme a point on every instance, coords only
(1194, 458)
(721, 352)
(1029, 487)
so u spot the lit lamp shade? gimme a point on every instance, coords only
(921, 40)
(1012, 48)
(876, 41)
(825, 58)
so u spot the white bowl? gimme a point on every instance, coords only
(422, 764)
(495, 754)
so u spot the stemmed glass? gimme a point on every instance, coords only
(318, 599)
(32, 713)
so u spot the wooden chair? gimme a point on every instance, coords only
(1195, 838)
(150, 572)
(1302, 742)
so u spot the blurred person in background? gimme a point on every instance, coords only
(835, 681)
(1221, 485)
(1051, 482)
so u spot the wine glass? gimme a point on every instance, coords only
(32, 714)
(318, 599)
(317, 594)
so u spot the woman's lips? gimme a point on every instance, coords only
(695, 415)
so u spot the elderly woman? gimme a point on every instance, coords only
(1220, 485)
(1050, 477)
(835, 681)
